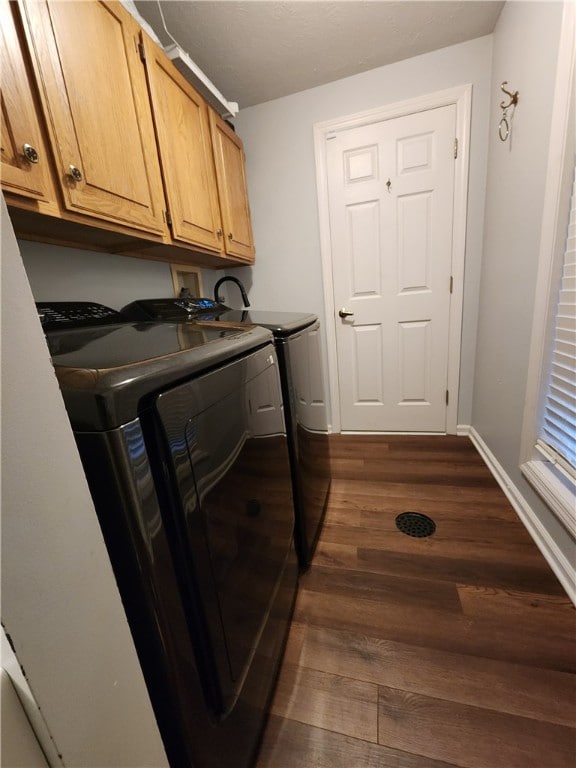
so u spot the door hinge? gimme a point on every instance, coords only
(451, 283)
(168, 217)
(141, 51)
(447, 397)
(455, 148)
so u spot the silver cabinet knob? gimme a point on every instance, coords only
(75, 173)
(345, 313)
(219, 232)
(30, 153)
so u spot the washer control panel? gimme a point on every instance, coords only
(59, 315)
(180, 309)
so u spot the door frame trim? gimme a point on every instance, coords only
(461, 97)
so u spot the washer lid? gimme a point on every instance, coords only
(104, 372)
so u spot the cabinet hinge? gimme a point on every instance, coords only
(451, 283)
(447, 397)
(141, 51)
(455, 148)
(168, 217)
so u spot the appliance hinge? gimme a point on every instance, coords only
(455, 148)
(141, 51)
(451, 283)
(168, 217)
(447, 397)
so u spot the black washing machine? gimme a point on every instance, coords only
(181, 434)
(297, 342)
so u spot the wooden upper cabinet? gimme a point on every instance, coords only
(232, 189)
(183, 133)
(25, 166)
(120, 137)
(93, 86)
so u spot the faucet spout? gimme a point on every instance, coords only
(232, 280)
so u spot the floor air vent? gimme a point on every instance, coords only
(415, 524)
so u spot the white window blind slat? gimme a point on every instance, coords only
(557, 434)
(557, 422)
(562, 393)
(561, 401)
(567, 297)
(564, 388)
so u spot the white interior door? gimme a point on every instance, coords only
(391, 199)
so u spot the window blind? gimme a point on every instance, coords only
(557, 436)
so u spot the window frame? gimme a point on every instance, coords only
(553, 484)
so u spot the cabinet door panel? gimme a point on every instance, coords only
(232, 190)
(20, 124)
(183, 131)
(98, 112)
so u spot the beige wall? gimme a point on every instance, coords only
(70, 274)
(278, 138)
(525, 54)
(60, 604)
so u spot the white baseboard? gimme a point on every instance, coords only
(385, 433)
(565, 570)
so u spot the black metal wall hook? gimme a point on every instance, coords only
(505, 124)
(513, 97)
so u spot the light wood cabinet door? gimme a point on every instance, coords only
(25, 166)
(183, 132)
(93, 85)
(232, 189)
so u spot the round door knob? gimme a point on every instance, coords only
(230, 235)
(219, 232)
(30, 153)
(345, 313)
(75, 173)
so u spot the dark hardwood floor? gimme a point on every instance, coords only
(456, 650)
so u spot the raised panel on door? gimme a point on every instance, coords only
(391, 200)
(413, 255)
(21, 130)
(415, 363)
(98, 112)
(367, 370)
(183, 131)
(232, 189)
(364, 244)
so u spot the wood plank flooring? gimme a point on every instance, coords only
(453, 651)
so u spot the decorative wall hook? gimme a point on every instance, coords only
(504, 126)
(513, 97)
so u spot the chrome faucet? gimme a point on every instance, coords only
(238, 283)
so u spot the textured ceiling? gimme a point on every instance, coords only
(262, 49)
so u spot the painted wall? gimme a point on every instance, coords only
(69, 274)
(74, 652)
(60, 603)
(281, 173)
(525, 51)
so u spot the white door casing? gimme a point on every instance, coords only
(390, 254)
